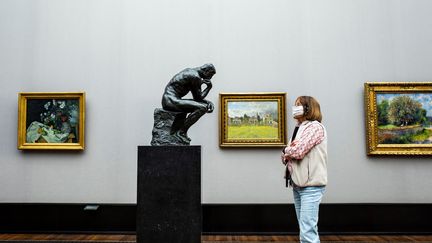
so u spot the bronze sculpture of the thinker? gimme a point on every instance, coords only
(189, 80)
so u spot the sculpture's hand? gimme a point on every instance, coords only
(208, 83)
(210, 106)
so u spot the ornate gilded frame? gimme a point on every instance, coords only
(225, 98)
(23, 106)
(371, 117)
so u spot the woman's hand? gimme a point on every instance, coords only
(284, 158)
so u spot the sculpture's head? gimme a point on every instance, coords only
(207, 71)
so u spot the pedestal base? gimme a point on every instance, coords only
(169, 194)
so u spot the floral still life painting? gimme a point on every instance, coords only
(51, 121)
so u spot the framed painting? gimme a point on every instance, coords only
(398, 118)
(252, 120)
(51, 120)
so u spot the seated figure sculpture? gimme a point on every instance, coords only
(188, 80)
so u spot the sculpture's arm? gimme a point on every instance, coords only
(196, 91)
(208, 88)
(197, 94)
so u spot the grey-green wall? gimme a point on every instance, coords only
(122, 54)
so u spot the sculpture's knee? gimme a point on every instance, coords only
(202, 109)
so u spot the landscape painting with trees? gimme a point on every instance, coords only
(252, 119)
(256, 119)
(404, 118)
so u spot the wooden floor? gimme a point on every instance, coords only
(218, 238)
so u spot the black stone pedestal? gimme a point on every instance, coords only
(169, 194)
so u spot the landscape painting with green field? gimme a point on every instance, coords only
(253, 120)
(404, 118)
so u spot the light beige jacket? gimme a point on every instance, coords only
(312, 169)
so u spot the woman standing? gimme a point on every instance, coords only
(305, 158)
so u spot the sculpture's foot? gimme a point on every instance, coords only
(182, 136)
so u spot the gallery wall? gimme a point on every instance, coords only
(122, 54)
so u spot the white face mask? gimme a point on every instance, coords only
(297, 111)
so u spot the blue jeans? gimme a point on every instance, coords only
(306, 203)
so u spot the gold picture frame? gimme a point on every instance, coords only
(252, 119)
(398, 118)
(51, 120)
